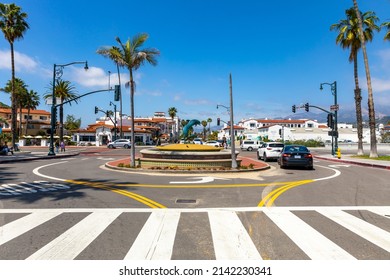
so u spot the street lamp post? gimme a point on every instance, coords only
(232, 138)
(57, 74)
(335, 134)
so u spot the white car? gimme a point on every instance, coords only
(198, 141)
(270, 150)
(213, 143)
(119, 143)
(250, 145)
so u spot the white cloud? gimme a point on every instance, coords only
(95, 77)
(22, 61)
(380, 85)
(197, 102)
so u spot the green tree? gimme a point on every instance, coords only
(130, 55)
(348, 38)
(30, 102)
(172, 111)
(72, 123)
(387, 35)
(371, 109)
(20, 92)
(204, 124)
(13, 25)
(65, 91)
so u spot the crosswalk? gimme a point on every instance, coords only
(318, 233)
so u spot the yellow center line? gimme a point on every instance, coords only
(272, 196)
(137, 197)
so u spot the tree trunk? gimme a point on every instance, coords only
(371, 110)
(61, 121)
(132, 156)
(13, 99)
(28, 117)
(358, 106)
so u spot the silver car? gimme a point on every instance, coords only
(119, 143)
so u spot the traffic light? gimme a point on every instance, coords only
(294, 108)
(330, 121)
(307, 107)
(117, 92)
(218, 121)
(96, 110)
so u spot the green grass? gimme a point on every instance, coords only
(378, 158)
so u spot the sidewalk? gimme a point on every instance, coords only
(348, 159)
(36, 153)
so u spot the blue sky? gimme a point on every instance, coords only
(278, 53)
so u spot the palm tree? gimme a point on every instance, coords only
(112, 53)
(204, 124)
(387, 25)
(209, 120)
(31, 102)
(172, 111)
(20, 90)
(348, 38)
(371, 109)
(13, 25)
(65, 91)
(131, 56)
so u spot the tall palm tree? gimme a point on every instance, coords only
(204, 124)
(371, 109)
(31, 102)
(13, 24)
(172, 111)
(348, 38)
(112, 53)
(387, 25)
(130, 55)
(65, 91)
(209, 120)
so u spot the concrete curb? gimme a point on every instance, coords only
(173, 171)
(37, 158)
(374, 165)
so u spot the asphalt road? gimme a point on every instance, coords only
(332, 212)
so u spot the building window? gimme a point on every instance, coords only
(43, 118)
(29, 117)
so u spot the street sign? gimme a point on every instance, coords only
(334, 107)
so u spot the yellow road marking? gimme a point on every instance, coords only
(272, 196)
(137, 197)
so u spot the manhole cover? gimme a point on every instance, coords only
(181, 200)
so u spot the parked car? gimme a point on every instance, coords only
(269, 150)
(198, 141)
(119, 143)
(295, 155)
(250, 145)
(213, 143)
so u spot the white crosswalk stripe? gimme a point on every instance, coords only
(230, 238)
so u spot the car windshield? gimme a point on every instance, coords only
(276, 145)
(296, 149)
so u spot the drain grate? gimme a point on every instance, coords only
(185, 201)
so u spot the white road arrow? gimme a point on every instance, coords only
(199, 180)
(338, 165)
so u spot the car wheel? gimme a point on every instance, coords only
(265, 157)
(109, 146)
(250, 149)
(126, 146)
(258, 156)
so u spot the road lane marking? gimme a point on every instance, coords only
(199, 180)
(313, 243)
(36, 171)
(270, 198)
(24, 224)
(366, 230)
(230, 238)
(71, 243)
(155, 240)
